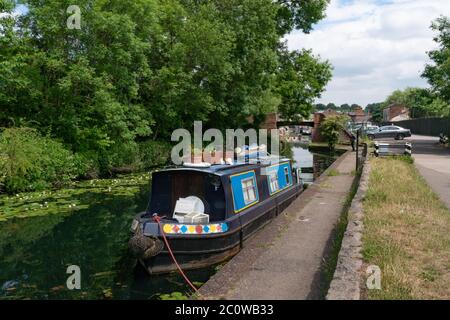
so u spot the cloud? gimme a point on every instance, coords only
(375, 46)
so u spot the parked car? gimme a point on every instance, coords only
(371, 129)
(398, 133)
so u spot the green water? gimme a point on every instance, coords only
(87, 225)
(36, 251)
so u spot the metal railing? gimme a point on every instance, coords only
(389, 149)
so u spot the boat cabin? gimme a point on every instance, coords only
(218, 191)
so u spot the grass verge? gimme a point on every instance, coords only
(406, 233)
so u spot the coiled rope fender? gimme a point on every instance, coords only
(145, 247)
(158, 220)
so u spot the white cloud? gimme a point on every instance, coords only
(375, 47)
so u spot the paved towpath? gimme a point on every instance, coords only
(433, 163)
(283, 261)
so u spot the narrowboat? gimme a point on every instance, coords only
(206, 211)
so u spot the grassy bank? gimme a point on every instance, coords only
(406, 233)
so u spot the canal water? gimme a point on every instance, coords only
(312, 164)
(88, 226)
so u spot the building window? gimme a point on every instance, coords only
(249, 190)
(286, 174)
(273, 180)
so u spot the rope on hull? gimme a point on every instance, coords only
(158, 220)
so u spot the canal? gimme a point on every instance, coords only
(87, 225)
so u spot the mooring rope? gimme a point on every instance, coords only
(158, 220)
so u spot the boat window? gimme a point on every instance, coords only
(273, 179)
(287, 176)
(249, 190)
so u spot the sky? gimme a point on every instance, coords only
(375, 46)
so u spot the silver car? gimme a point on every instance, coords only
(398, 133)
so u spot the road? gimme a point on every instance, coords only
(433, 163)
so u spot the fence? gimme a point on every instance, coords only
(426, 126)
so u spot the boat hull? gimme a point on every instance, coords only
(163, 263)
(196, 252)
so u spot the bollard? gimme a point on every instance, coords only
(408, 148)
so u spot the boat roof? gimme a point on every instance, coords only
(227, 169)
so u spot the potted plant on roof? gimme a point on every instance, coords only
(213, 155)
(194, 155)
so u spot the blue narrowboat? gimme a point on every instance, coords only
(205, 212)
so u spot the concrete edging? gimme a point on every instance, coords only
(347, 276)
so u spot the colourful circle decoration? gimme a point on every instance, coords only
(172, 228)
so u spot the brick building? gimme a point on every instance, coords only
(358, 115)
(318, 118)
(396, 112)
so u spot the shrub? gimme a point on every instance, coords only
(154, 153)
(331, 129)
(30, 161)
(119, 155)
(286, 150)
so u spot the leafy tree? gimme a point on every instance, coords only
(438, 74)
(376, 110)
(320, 107)
(345, 107)
(136, 70)
(301, 80)
(331, 128)
(82, 85)
(332, 106)
(300, 14)
(421, 102)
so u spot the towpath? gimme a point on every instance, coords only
(433, 163)
(284, 260)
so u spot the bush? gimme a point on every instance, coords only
(29, 161)
(154, 153)
(119, 156)
(331, 129)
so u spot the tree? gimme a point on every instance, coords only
(438, 74)
(376, 110)
(299, 14)
(320, 107)
(137, 70)
(345, 108)
(421, 102)
(80, 85)
(331, 128)
(302, 78)
(332, 106)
